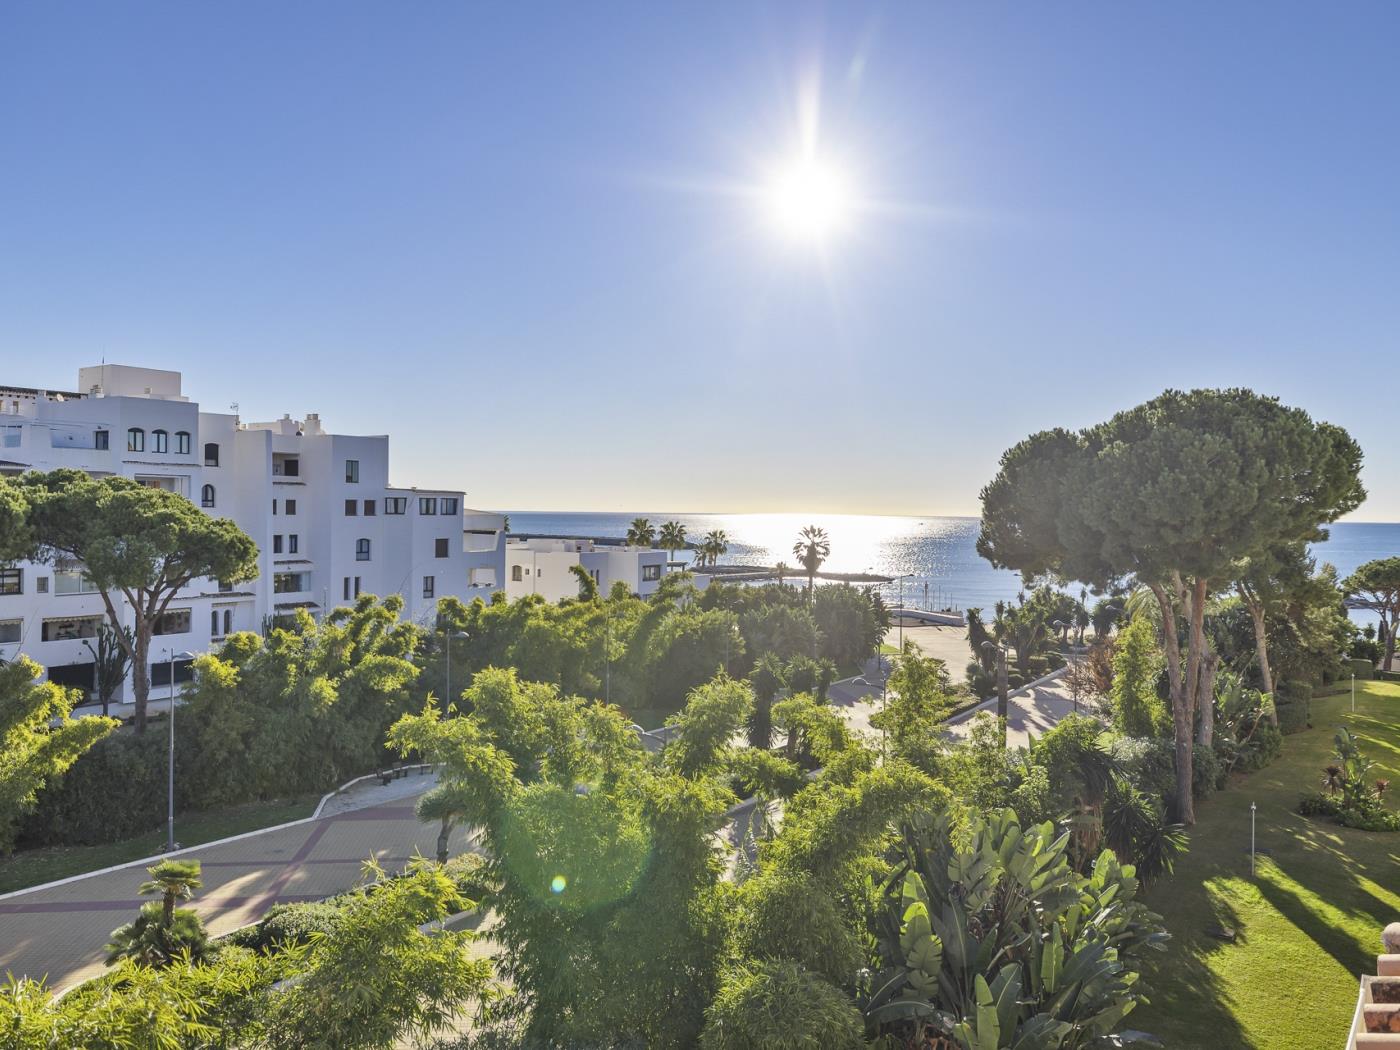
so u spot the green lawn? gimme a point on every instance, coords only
(31, 867)
(1309, 923)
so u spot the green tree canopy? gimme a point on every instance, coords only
(1378, 582)
(145, 545)
(38, 739)
(1174, 492)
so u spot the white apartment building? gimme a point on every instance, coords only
(540, 565)
(326, 520)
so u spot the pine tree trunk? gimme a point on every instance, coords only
(1261, 648)
(443, 833)
(1205, 701)
(1389, 629)
(1184, 705)
(141, 675)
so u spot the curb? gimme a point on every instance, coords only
(155, 858)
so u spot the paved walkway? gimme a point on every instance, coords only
(60, 931)
(1031, 712)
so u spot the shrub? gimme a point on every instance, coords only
(116, 790)
(469, 872)
(1206, 771)
(1149, 763)
(1361, 667)
(290, 924)
(1294, 703)
(781, 1006)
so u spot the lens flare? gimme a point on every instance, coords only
(558, 884)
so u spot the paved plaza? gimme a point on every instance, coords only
(60, 931)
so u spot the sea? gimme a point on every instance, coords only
(937, 557)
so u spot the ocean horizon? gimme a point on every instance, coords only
(936, 553)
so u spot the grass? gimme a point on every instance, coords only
(32, 867)
(1308, 922)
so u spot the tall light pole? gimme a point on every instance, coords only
(171, 657)
(900, 580)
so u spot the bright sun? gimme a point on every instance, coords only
(809, 200)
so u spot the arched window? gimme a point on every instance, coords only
(206, 496)
(211, 455)
(136, 440)
(182, 442)
(362, 550)
(160, 441)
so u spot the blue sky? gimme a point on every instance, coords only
(523, 241)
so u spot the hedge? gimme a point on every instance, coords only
(115, 791)
(1294, 703)
(1360, 667)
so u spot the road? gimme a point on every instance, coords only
(60, 930)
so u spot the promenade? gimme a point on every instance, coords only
(59, 930)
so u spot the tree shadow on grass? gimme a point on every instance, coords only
(1335, 942)
(1186, 999)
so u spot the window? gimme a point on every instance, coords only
(10, 630)
(651, 572)
(427, 504)
(357, 586)
(41, 585)
(72, 581)
(516, 573)
(449, 505)
(352, 507)
(274, 506)
(440, 547)
(428, 585)
(290, 582)
(285, 466)
(211, 454)
(370, 508)
(345, 589)
(206, 496)
(10, 437)
(291, 506)
(292, 543)
(160, 672)
(362, 550)
(173, 621)
(136, 440)
(277, 543)
(396, 505)
(228, 621)
(352, 471)
(182, 442)
(160, 441)
(101, 440)
(213, 623)
(225, 588)
(11, 581)
(70, 629)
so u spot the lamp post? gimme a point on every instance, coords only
(1353, 692)
(171, 657)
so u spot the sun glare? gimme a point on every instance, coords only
(809, 200)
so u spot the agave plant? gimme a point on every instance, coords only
(1002, 944)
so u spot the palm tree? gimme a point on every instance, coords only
(445, 806)
(811, 549)
(782, 569)
(715, 545)
(174, 880)
(640, 533)
(672, 538)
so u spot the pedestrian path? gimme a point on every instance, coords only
(59, 930)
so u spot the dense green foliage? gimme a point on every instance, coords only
(38, 740)
(144, 545)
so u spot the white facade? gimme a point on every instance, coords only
(327, 523)
(541, 566)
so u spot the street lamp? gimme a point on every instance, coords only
(171, 657)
